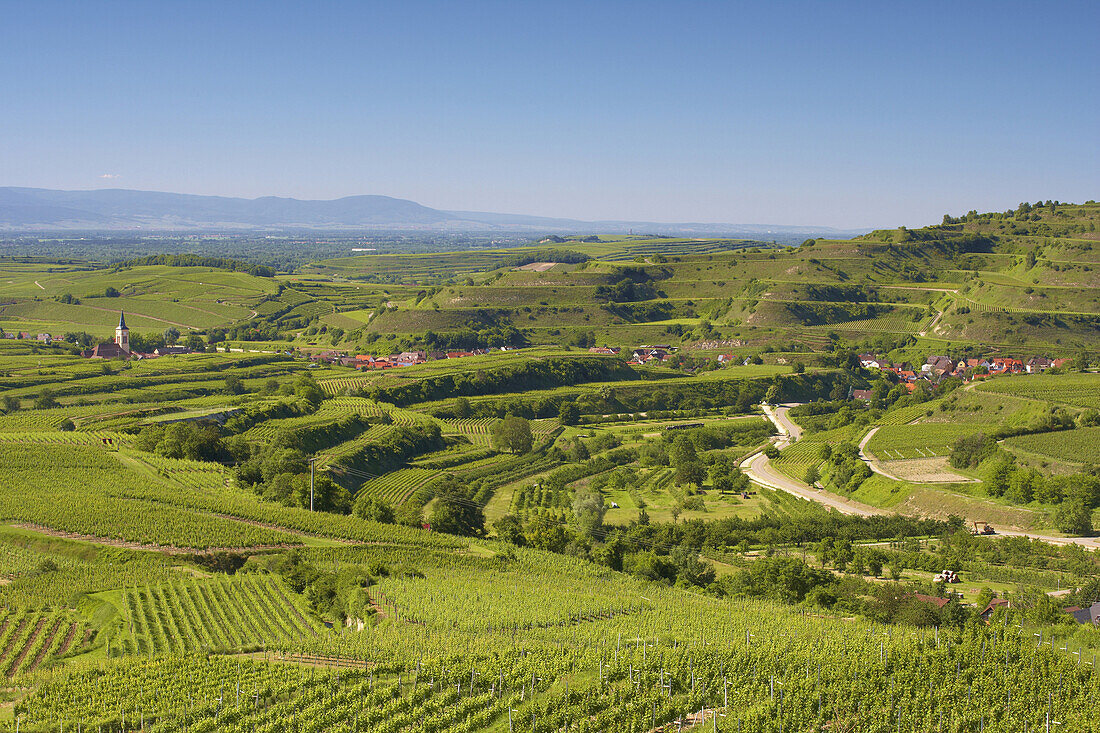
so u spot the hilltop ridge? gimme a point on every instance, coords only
(38, 209)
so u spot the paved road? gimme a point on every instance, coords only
(873, 464)
(783, 422)
(759, 469)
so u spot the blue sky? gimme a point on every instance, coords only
(832, 113)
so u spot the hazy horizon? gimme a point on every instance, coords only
(846, 115)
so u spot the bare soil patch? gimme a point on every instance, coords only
(536, 267)
(924, 470)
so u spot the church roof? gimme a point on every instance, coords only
(108, 350)
(122, 320)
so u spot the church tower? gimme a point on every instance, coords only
(122, 334)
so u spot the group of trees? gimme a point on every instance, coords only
(195, 441)
(847, 471)
(542, 374)
(334, 595)
(193, 260)
(477, 335)
(632, 284)
(1076, 495)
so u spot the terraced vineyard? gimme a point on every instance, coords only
(455, 594)
(330, 411)
(198, 475)
(25, 421)
(58, 492)
(477, 430)
(397, 487)
(17, 561)
(900, 320)
(102, 438)
(796, 458)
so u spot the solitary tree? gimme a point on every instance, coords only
(683, 451)
(588, 510)
(45, 400)
(513, 434)
(509, 528)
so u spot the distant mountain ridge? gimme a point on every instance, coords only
(114, 209)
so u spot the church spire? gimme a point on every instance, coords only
(122, 333)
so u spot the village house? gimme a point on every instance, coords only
(1037, 364)
(937, 366)
(329, 356)
(1009, 366)
(870, 361)
(607, 350)
(644, 354)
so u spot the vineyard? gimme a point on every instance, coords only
(329, 412)
(923, 440)
(29, 639)
(900, 320)
(399, 486)
(1078, 390)
(667, 663)
(268, 541)
(1076, 446)
(55, 492)
(245, 612)
(477, 431)
(796, 458)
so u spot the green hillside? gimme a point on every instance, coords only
(266, 517)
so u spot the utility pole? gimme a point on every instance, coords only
(311, 462)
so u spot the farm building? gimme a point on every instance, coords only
(934, 600)
(993, 606)
(1090, 615)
